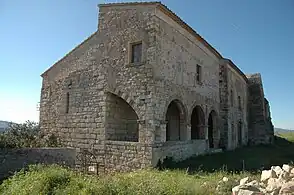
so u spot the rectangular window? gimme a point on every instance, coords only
(239, 103)
(136, 52)
(198, 73)
(67, 103)
(232, 98)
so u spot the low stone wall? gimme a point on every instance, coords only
(12, 160)
(126, 156)
(179, 150)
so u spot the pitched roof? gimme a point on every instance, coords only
(164, 9)
(173, 16)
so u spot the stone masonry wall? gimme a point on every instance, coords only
(177, 54)
(258, 131)
(93, 70)
(12, 160)
(134, 156)
(179, 150)
(233, 89)
(224, 104)
(237, 115)
(268, 120)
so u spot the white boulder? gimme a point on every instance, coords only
(266, 174)
(274, 185)
(278, 170)
(287, 168)
(244, 181)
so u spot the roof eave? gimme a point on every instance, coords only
(230, 62)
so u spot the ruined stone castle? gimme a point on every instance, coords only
(146, 86)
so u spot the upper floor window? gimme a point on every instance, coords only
(239, 103)
(232, 98)
(198, 73)
(67, 103)
(136, 52)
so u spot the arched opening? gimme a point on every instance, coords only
(213, 137)
(240, 133)
(121, 120)
(175, 118)
(197, 123)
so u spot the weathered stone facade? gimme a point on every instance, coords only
(174, 101)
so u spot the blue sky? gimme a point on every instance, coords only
(257, 35)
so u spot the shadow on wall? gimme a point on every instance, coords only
(252, 159)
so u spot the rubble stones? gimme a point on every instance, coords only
(276, 181)
(266, 174)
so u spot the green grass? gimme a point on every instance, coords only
(289, 136)
(205, 174)
(252, 159)
(57, 180)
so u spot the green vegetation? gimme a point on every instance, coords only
(287, 135)
(203, 176)
(253, 158)
(57, 180)
(26, 135)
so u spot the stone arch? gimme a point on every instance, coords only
(175, 118)
(121, 120)
(213, 132)
(181, 105)
(197, 123)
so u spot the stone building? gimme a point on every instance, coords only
(145, 86)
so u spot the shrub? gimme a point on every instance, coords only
(27, 134)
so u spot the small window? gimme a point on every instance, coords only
(67, 103)
(69, 85)
(198, 73)
(239, 103)
(136, 52)
(232, 98)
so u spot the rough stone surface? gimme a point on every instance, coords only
(12, 160)
(272, 183)
(278, 170)
(260, 126)
(287, 168)
(287, 189)
(266, 174)
(130, 115)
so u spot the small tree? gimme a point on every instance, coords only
(26, 135)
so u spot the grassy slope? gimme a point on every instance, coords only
(57, 180)
(249, 158)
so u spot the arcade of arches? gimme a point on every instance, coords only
(176, 128)
(122, 122)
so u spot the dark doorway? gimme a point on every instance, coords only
(197, 123)
(213, 133)
(210, 131)
(240, 133)
(173, 122)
